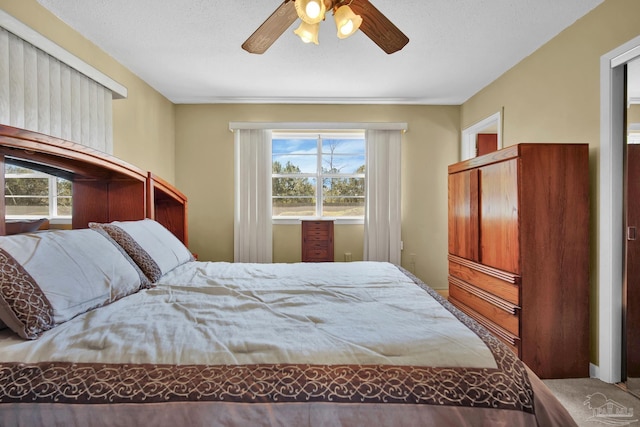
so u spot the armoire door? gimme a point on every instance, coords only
(499, 241)
(632, 312)
(463, 214)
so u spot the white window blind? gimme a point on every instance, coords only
(252, 225)
(44, 94)
(383, 216)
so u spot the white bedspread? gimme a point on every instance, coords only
(222, 313)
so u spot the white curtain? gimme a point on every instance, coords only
(382, 186)
(252, 227)
(42, 94)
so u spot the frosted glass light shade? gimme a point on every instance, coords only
(347, 22)
(308, 33)
(311, 11)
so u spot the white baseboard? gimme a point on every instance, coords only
(594, 371)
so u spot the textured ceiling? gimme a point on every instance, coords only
(189, 50)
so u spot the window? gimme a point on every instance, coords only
(318, 175)
(29, 193)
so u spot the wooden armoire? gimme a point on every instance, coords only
(519, 251)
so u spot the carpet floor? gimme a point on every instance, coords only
(592, 402)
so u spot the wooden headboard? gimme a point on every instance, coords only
(105, 188)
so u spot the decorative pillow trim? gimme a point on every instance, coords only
(148, 266)
(145, 283)
(25, 308)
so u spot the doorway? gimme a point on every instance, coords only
(631, 284)
(488, 130)
(612, 230)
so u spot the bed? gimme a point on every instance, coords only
(115, 323)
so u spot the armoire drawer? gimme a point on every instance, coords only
(503, 313)
(502, 284)
(512, 341)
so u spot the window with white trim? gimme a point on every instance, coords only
(30, 193)
(318, 175)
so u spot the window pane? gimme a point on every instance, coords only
(343, 156)
(343, 164)
(343, 146)
(343, 206)
(64, 187)
(299, 206)
(294, 196)
(63, 200)
(64, 206)
(26, 186)
(13, 169)
(343, 197)
(293, 187)
(294, 155)
(27, 205)
(343, 187)
(27, 193)
(292, 164)
(294, 145)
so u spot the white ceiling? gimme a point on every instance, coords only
(189, 50)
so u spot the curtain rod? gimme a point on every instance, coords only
(318, 125)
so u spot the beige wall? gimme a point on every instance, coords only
(554, 96)
(633, 114)
(143, 124)
(204, 171)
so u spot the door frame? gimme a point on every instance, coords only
(468, 139)
(611, 209)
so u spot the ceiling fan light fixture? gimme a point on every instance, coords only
(310, 11)
(373, 23)
(347, 21)
(308, 33)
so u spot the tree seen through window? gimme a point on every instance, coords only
(32, 193)
(318, 176)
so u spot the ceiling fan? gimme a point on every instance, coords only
(350, 15)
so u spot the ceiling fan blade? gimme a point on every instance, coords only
(272, 28)
(378, 28)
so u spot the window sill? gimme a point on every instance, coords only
(52, 220)
(337, 221)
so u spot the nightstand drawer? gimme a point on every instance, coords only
(318, 255)
(317, 244)
(317, 235)
(318, 225)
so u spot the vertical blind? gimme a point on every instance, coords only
(252, 225)
(383, 215)
(40, 93)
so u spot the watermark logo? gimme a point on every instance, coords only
(609, 411)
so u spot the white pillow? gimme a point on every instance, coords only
(154, 248)
(50, 277)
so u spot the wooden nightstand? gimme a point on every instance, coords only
(317, 241)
